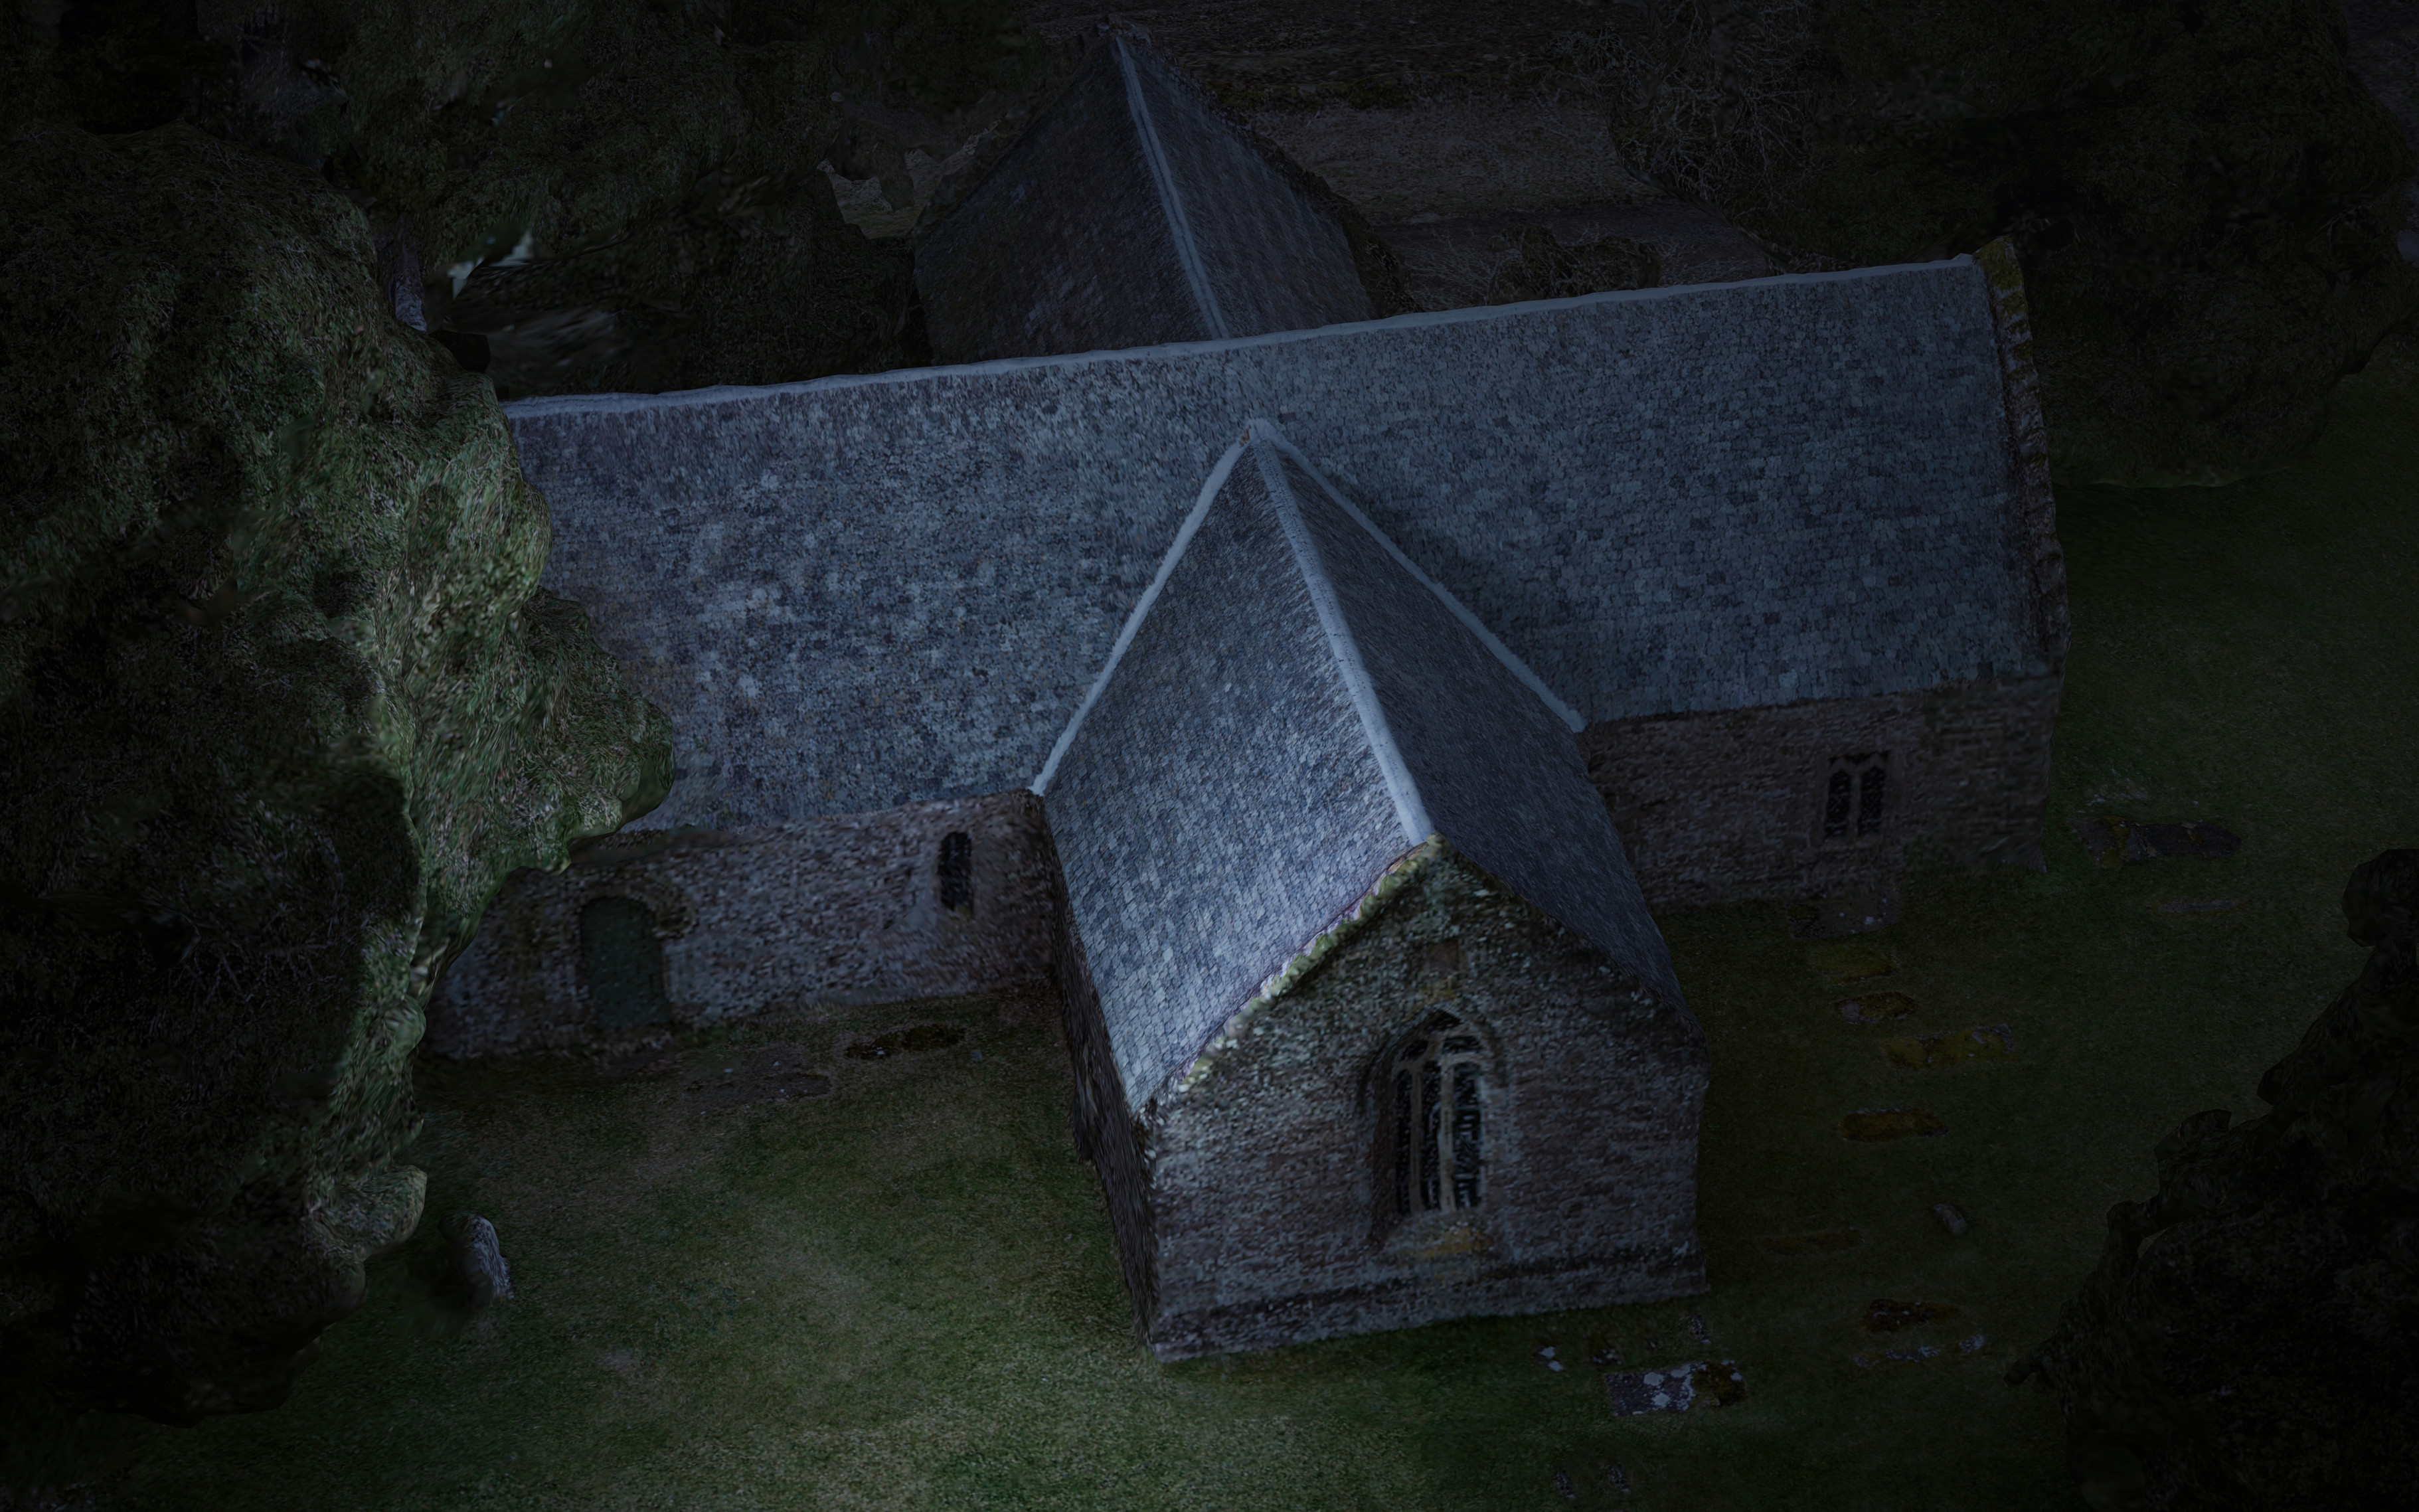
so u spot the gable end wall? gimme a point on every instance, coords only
(1270, 1179)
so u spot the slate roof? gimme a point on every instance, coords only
(1288, 709)
(873, 589)
(1129, 212)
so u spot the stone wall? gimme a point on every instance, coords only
(1719, 807)
(1272, 1191)
(848, 909)
(1107, 1134)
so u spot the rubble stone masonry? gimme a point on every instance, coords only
(838, 910)
(1724, 807)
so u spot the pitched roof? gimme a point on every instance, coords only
(1129, 212)
(872, 589)
(1289, 708)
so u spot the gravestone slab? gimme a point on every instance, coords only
(1859, 913)
(1698, 1385)
(721, 1079)
(1873, 1007)
(1950, 1049)
(2115, 841)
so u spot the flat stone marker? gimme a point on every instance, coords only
(1874, 1125)
(1851, 962)
(1822, 1241)
(1873, 1008)
(1917, 1355)
(923, 1037)
(1883, 1315)
(2115, 841)
(1926, 1050)
(721, 1079)
(1857, 913)
(1695, 1386)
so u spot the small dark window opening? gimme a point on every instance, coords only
(1436, 1160)
(1855, 794)
(1835, 808)
(624, 963)
(957, 871)
(1869, 800)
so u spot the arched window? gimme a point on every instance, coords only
(957, 871)
(1438, 1152)
(623, 962)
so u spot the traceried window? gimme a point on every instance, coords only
(957, 871)
(1855, 795)
(1437, 1132)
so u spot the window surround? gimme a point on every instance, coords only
(1435, 1104)
(1857, 804)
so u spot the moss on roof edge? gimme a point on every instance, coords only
(1396, 875)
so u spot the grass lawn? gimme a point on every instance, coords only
(905, 1295)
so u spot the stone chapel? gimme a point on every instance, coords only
(1325, 703)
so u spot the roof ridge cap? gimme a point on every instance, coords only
(1171, 197)
(1410, 807)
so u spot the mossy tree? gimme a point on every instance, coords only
(281, 705)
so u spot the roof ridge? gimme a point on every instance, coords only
(549, 405)
(1410, 807)
(1184, 534)
(1461, 611)
(1171, 198)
